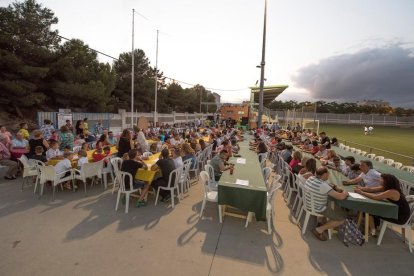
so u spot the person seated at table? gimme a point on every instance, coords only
(37, 140)
(102, 142)
(132, 165)
(325, 140)
(98, 155)
(19, 142)
(296, 158)
(178, 161)
(85, 146)
(338, 165)
(261, 148)
(318, 185)
(5, 156)
(220, 164)
(67, 149)
(331, 154)
(53, 151)
(309, 169)
(300, 166)
(167, 142)
(166, 165)
(189, 153)
(335, 142)
(125, 156)
(349, 161)
(39, 155)
(195, 146)
(88, 137)
(112, 139)
(354, 172)
(65, 165)
(47, 129)
(389, 189)
(322, 153)
(307, 145)
(202, 144)
(24, 130)
(369, 175)
(125, 143)
(314, 149)
(7, 136)
(83, 159)
(235, 148)
(286, 154)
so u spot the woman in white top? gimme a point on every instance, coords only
(178, 161)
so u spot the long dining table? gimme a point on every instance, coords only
(379, 166)
(382, 208)
(245, 189)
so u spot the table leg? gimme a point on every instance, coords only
(359, 219)
(366, 226)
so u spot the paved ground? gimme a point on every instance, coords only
(78, 235)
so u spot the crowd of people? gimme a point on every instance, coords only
(301, 149)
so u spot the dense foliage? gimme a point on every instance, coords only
(339, 108)
(40, 70)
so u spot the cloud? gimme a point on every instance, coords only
(385, 73)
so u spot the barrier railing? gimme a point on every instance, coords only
(398, 157)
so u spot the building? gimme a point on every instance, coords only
(374, 103)
(234, 111)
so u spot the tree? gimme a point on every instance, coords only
(79, 80)
(144, 81)
(26, 49)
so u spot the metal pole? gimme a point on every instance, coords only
(314, 115)
(201, 94)
(262, 69)
(132, 72)
(156, 83)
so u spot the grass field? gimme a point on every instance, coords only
(392, 139)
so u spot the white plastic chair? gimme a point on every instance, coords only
(346, 148)
(76, 149)
(208, 194)
(300, 182)
(379, 158)
(371, 155)
(266, 175)
(123, 190)
(270, 207)
(48, 173)
(406, 228)
(405, 187)
(352, 149)
(397, 165)
(185, 177)
(309, 208)
(262, 157)
(363, 153)
(357, 151)
(116, 163)
(29, 169)
(172, 186)
(211, 178)
(408, 169)
(107, 170)
(37, 164)
(388, 161)
(89, 170)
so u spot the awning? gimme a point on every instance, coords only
(269, 93)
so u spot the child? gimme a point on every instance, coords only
(85, 146)
(39, 154)
(54, 135)
(67, 149)
(99, 154)
(83, 159)
(53, 151)
(23, 130)
(65, 165)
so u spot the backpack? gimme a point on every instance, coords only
(349, 233)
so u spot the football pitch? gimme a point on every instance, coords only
(392, 139)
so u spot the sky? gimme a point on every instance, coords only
(323, 49)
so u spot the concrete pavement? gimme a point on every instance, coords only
(78, 235)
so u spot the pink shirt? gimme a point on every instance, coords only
(4, 152)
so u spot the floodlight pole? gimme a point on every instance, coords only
(156, 83)
(262, 70)
(132, 72)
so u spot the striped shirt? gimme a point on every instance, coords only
(320, 190)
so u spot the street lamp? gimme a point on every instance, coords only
(132, 71)
(156, 84)
(262, 70)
